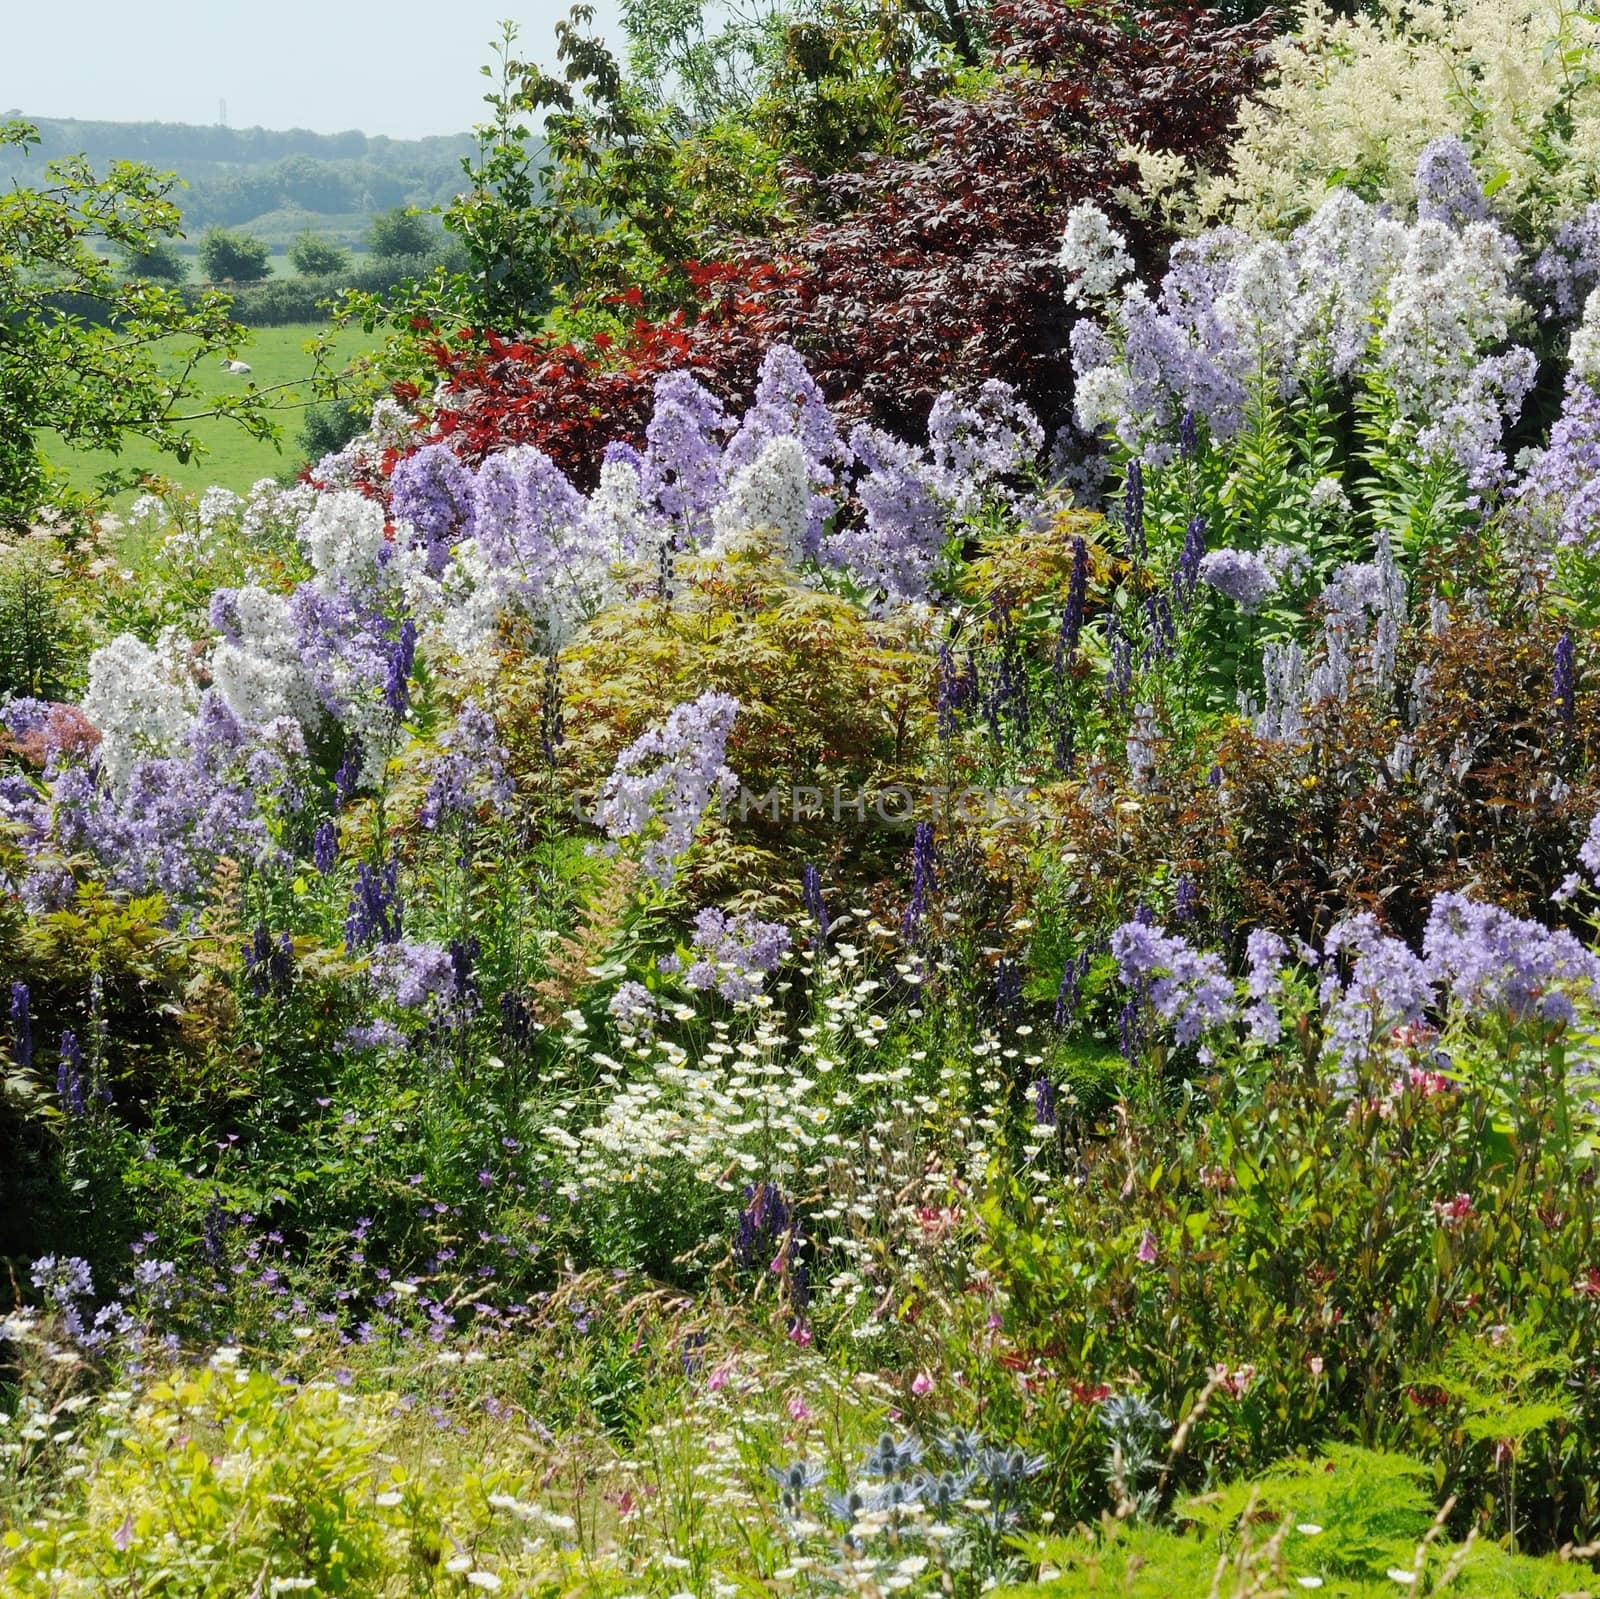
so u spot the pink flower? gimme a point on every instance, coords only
(799, 1410)
(1452, 1213)
(921, 1384)
(719, 1378)
(1147, 1248)
(1315, 1363)
(800, 1334)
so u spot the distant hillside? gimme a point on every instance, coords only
(287, 180)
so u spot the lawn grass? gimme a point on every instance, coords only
(230, 457)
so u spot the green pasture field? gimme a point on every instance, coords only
(230, 457)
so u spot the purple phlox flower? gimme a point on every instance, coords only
(70, 1075)
(733, 954)
(922, 881)
(471, 774)
(664, 781)
(1569, 265)
(1241, 575)
(811, 895)
(21, 1025)
(375, 906)
(1265, 956)
(433, 492)
(1489, 959)
(1187, 989)
(1447, 188)
(1388, 987)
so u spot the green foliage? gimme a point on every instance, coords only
(158, 262)
(97, 385)
(227, 257)
(403, 231)
(37, 647)
(315, 257)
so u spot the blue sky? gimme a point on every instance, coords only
(397, 67)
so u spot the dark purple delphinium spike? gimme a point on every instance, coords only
(957, 691)
(325, 847)
(258, 960)
(375, 908)
(1158, 620)
(811, 893)
(1007, 987)
(1044, 1102)
(1186, 574)
(1143, 914)
(1063, 741)
(212, 1229)
(1566, 678)
(349, 773)
(516, 1019)
(69, 1074)
(1214, 777)
(1128, 1029)
(552, 728)
(1072, 976)
(766, 1217)
(1007, 699)
(1119, 668)
(1133, 512)
(1188, 436)
(21, 1025)
(1187, 903)
(463, 969)
(1077, 599)
(402, 657)
(921, 880)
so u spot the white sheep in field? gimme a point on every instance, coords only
(236, 368)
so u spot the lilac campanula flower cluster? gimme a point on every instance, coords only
(1489, 959)
(666, 779)
(1265, 956)
(1186, 988)
(1352, 291)
(433, 491)
(1239, 575)
(732, 954)
(471, 773)
(416, 976)
(1558, 498)
(634, 1008)
(1448, 190)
